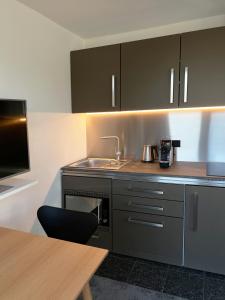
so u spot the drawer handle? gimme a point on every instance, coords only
(135, 221)
(130, 188)
(151, 207)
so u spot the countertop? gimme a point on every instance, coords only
(180, 169)
(179, 172)
(14, 185)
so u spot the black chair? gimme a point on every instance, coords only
(67, 225)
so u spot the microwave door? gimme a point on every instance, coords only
(84, 204)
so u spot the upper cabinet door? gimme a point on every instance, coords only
(95, 79)
(150, 73)
(203, 68)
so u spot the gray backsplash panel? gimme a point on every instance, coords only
(202, 133)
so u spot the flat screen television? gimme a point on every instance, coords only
(14, 152)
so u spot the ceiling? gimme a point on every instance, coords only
(92, 18)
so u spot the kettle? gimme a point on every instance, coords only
(150, 153)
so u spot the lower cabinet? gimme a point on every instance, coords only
(148, 220)
(205, 228)
(148, 236)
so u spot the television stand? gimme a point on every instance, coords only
(11, 186)
(4, 188)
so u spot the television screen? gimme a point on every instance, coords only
(14, 153)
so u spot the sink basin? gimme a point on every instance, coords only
(99, 163)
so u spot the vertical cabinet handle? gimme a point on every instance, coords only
(99, 214)
(113, 91)
(185, 84)
(171, 85)
(194, 212)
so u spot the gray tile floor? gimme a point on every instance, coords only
(109, 289)
(181, 282)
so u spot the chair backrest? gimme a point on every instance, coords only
(68, 225)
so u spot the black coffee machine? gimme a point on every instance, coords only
(167, 152)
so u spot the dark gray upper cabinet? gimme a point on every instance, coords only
(204, 229)
(150, 73)
(95, 79)
(203, 62)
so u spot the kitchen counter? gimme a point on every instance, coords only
(148, 206)
(180, 169)
(180, 172)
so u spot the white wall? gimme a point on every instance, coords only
(175, 28)
(35, 65)
(34, 58)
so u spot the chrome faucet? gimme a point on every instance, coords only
(117, 152)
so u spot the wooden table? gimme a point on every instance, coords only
(37, 267)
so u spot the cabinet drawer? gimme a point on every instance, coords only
(101, 238)
(88, 184)
(148, 236)
(148, 189)
(147, 205)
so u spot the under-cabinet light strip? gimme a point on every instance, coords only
(211, 108)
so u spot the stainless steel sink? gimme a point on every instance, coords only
(99, 163)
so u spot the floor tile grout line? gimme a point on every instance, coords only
(204, 281)
(124, 258)
(167, 274)
(131, 271)
(203, 291)
(201, 277)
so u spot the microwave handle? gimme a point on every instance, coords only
(99, 219)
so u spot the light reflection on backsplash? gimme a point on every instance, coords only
(202, 133)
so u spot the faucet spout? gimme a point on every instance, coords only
(118, 152)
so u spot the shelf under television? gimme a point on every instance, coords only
(11, 186)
